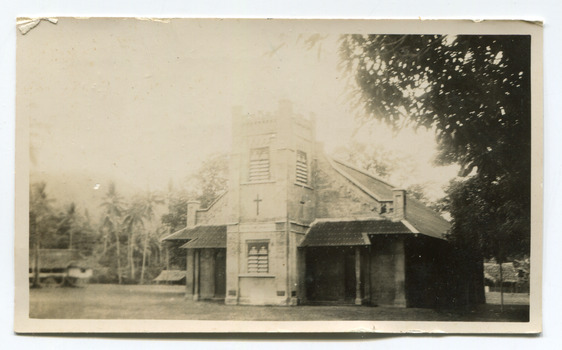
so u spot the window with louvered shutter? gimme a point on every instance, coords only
(258, 257)
(259, 164)
(302, 168)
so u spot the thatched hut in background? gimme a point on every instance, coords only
(514, 277)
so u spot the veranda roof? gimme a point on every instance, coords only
(350, 233)
(187, 234)
(207, 237)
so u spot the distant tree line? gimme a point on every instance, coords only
(124, 244)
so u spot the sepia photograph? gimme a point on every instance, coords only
(253, 175)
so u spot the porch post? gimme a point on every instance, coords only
(189, 273)
(196, 267)
(301, 288)
(399, 274)
(167, 263)
(358, 299)
(368, 277)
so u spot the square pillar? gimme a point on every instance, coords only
(399, 274)
(232, 264)
(358, 298)
(189, 273)
(196, 274)
(367, 267)
(301, 288)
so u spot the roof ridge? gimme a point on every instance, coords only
(353, 180)
(364, 172)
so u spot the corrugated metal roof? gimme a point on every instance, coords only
(170, 276)
(207, 237)
(349, 233)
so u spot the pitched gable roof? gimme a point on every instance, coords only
(422, 219)
(377, 188)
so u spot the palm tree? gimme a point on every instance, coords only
(149, 201)
(70, 222)
(113, 210)
(140, 215)
(133, 223)
(40, 213)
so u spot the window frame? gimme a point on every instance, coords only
(260, 257)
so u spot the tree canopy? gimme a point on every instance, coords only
(474, 91)
(205, 185)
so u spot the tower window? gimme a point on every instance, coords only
(258, 257)
(302, 168)
(259, 164)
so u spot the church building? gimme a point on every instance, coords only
(298, 227)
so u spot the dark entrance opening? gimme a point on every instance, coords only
(220, 273)
(349, 275)
(330, 274)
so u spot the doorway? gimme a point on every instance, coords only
(220, 273)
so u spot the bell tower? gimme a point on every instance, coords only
(271, 203)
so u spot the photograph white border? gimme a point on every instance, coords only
(24, 324)
(549, 11)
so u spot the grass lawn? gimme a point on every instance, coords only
(98, 301)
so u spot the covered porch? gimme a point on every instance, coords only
(206, 264)
(355, 262)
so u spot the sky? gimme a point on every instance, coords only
(143, 102)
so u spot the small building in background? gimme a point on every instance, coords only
(59, 267)
(514, 277)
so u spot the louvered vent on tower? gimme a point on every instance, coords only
(259, 164)
(302, 168)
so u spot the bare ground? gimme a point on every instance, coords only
(168, 303)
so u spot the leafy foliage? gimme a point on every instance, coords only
(379, 161)
(474, 91)
(176, 218)
(210, 181)
(125, 240)
(111, 224)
